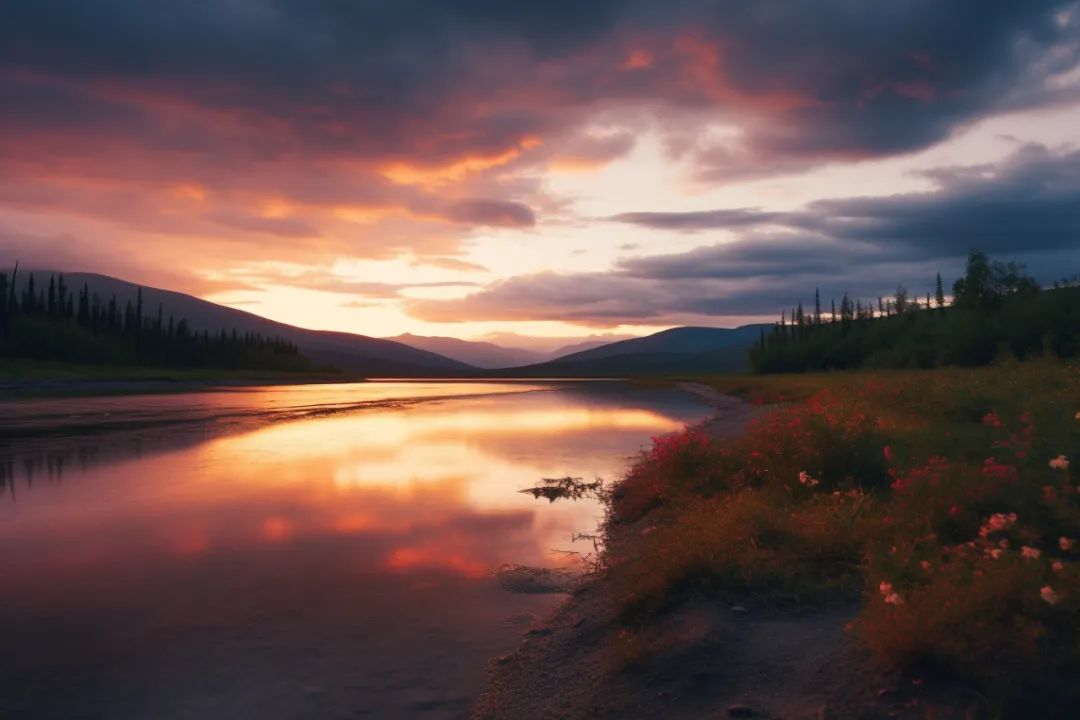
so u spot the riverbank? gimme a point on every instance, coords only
(873, 545)
(26, 378)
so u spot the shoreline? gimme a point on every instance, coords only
(88, 381)
(714, 659)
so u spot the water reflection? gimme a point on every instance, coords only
(245, 556)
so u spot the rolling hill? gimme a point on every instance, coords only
(348, 352)
(492, 356)
(684, 350)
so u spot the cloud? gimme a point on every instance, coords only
(450, 263)
(434, 83)
(308, 130)
(589, 150)
(494, 213)
(1031, 200)
(1027, 207)
(284, 227)
(699, 220)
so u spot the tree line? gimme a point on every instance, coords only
(52, 321)
(996, 310)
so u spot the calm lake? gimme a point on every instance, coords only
(321, 551)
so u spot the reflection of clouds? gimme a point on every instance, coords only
(430, 486)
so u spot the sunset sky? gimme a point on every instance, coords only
(557, 168)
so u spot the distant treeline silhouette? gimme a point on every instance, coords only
(996, 310)
(54, 322)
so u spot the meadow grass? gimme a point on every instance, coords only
(943, 501)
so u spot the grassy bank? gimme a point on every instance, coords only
(943, 501)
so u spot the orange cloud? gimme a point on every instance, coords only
(404, 173)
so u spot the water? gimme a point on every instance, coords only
(290, 552)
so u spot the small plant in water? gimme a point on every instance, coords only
(571, 488)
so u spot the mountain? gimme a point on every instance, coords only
(579, 347)
(345, 351)
(684, 350)
(479, 354)
(548, 348)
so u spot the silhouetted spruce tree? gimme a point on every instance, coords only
(997, 306)
(55, 324)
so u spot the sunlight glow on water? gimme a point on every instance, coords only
(142, 541)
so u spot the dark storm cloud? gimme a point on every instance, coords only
(442, 78)
(1026, 208)
(1031, 202)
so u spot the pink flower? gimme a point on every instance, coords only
(1060, 463)
(1056, 566)
(1049, 595)
(996, 523)
(888, 453)
(1066, 543)
(806, 479)
(885, 587)
(893, 599)
(1030, 553)
(994, 553)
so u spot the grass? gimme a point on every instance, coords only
(941, 500)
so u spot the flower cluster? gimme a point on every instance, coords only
(889, 593)
(997, 523)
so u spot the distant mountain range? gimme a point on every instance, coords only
(684, 350)
(488, 355)
(484, 355)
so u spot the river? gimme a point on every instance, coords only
(319, 551)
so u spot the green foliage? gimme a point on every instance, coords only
(56, 324)
(997, 312)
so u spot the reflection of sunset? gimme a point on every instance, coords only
(421, 487)
(435, 557)
(276, 529)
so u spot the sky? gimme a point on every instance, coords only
(490, 169)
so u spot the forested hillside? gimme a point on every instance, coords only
(996, 311)
(47, 320)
